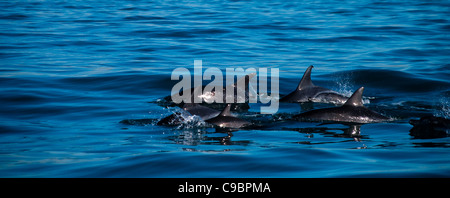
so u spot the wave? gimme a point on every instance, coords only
(396, 81)
(140, 84)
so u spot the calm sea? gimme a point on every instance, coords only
(72, 71)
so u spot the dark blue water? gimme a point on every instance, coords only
(71, 71)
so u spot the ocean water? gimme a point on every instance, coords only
(81, 84)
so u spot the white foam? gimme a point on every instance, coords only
(444, 108)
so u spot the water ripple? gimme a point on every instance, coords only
(84, 84)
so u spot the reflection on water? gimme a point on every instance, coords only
(221, 136)
(197, 137)
(432, 144)
(70, 73)
(351, 132)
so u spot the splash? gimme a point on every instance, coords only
(344, 87)
(192, 121)
(443, 108)
(184, 120)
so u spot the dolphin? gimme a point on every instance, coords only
(226, 120)
(308, 92)
(211, 95)
(352, 111)
(247, 90)
(203, 95)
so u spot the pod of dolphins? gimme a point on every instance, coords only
(352, 109)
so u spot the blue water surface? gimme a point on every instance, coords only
(71, 72)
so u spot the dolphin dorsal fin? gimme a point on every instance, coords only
(306, 79)
(226, 111)
(356, 99)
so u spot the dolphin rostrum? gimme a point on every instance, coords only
(353, 110)
(226, 120)
(308, 92)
